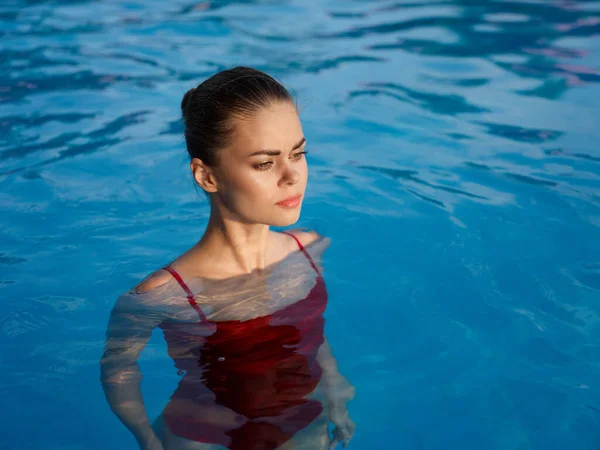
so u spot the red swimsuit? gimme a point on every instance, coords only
(262, 369)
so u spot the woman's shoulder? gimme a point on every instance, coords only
(311, 241)
(156, 294)
(154, 290)
(147, 303)
(153, 281)
(306, 237)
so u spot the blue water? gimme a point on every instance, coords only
(454, 162)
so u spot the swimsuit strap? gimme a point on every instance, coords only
(310, 260)
(190, 295)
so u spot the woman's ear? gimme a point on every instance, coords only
(204, 175)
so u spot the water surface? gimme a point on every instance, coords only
(453, 149)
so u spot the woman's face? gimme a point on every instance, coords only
(262, 175)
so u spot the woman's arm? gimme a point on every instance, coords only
(337, 388)
(129, 328)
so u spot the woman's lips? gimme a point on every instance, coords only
(290, 202)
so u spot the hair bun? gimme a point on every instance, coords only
(185, 102)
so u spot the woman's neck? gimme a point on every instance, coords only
(235, 246)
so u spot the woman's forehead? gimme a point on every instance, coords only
(277, 127)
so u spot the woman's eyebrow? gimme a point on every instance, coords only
(277, 152)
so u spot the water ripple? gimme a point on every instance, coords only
(459, 136)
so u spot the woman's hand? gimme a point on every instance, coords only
(343, 426)
(338, 392)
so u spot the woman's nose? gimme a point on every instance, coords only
(290, 176)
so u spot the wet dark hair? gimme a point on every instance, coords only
(209, 110)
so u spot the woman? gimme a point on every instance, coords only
(242, 310)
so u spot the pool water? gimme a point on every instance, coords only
(454, 163)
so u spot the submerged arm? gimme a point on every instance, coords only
(337, 388)
(129, 328)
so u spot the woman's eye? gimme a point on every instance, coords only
(299, 155)
(263, 166)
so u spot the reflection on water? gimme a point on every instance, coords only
(454, 161)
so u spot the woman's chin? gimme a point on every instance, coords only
(287, 219)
